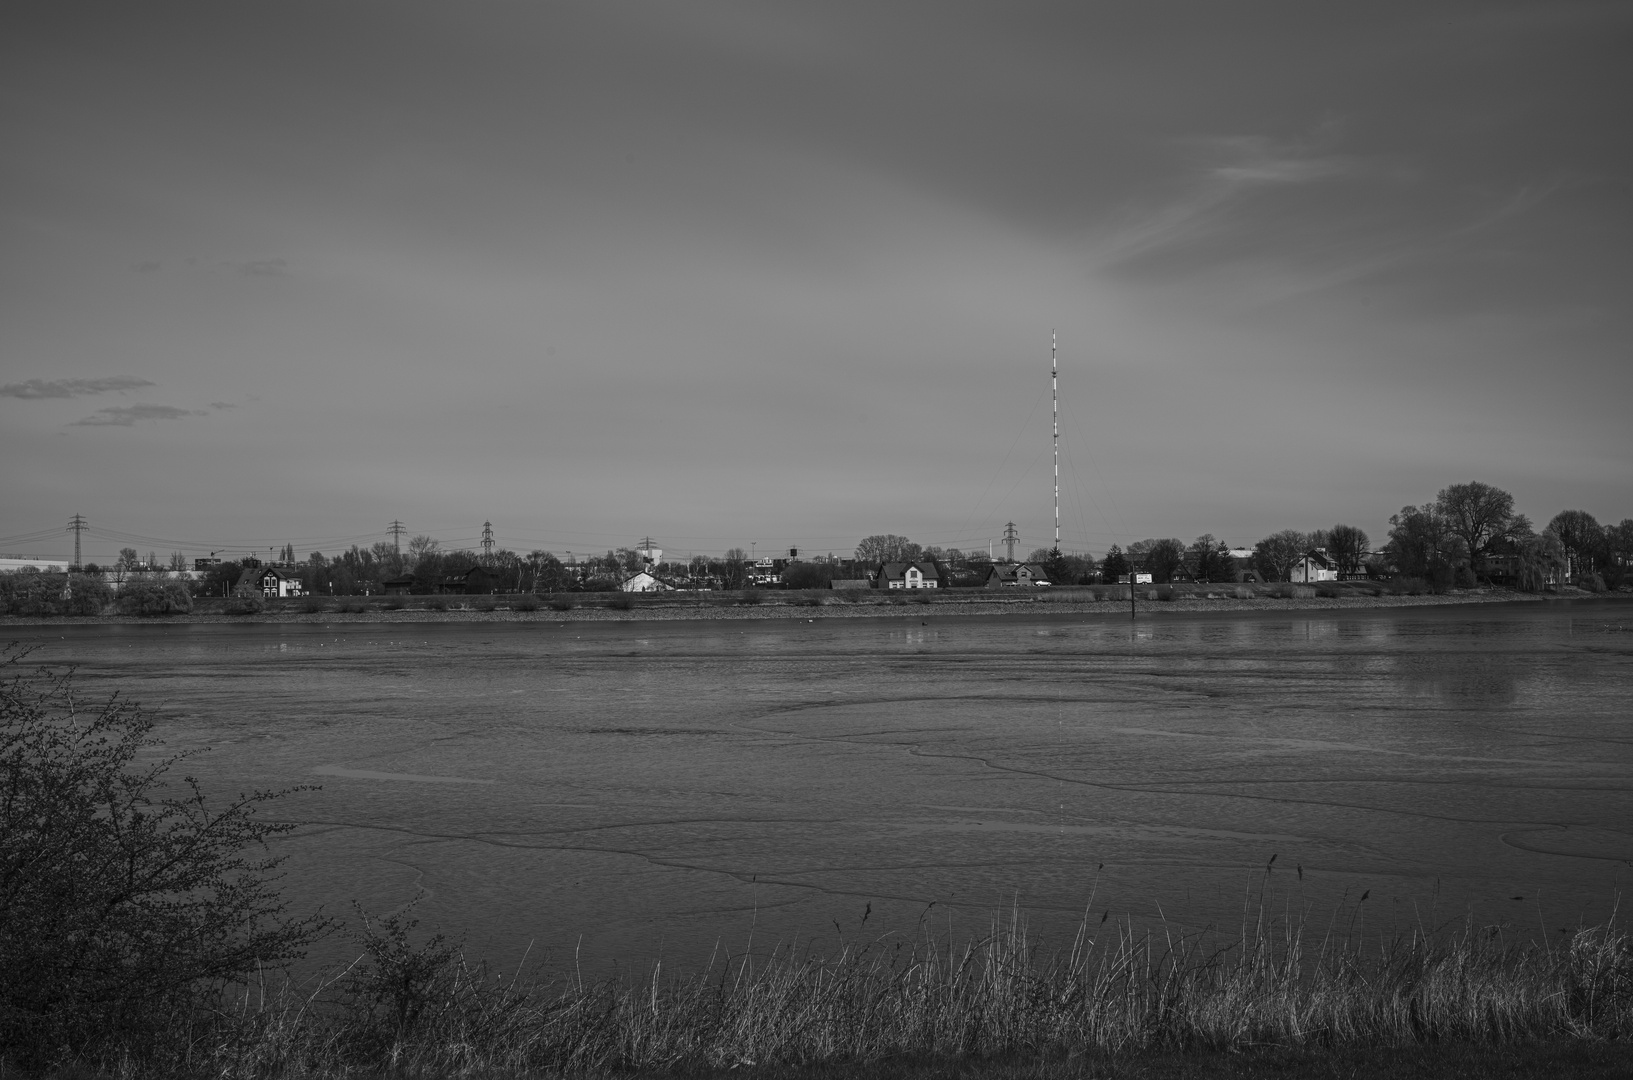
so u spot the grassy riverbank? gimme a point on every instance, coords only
(1279, 997)
(817, 604)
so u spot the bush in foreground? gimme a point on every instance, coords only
(123, 909)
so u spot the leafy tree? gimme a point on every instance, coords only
(1618, 552)
(1348, 547)
(129, 559)
(807, 575)
(1539, 558)
(886, 548)
(1477, 514)
(122, 907)
(178, 561)
(1422, 544)
(1115, 565)
(218, 580)
(150, 598)
(38, 594)
(1581, 537)
(549, 574)
(1275, 555)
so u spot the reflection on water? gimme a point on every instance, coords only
(627, 790)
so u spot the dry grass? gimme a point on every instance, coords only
(424, 1011)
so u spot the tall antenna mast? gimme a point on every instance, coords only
(1054, 401)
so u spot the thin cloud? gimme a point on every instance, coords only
(264, 268)
(222, 405)
(1236, 167)
(68, 388)
(128, 415)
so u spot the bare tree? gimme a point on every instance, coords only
(1581, 537)
(1478, 514)
(1348, 547)
(1277, 553)
(884, 548)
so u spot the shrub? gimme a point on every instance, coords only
(152, 598)
(1440, 577)
(751, 596)
(562, 603)
(351, 606)
(1463, 578)
(314, 604)
(1244, 593)
(122, 909)
(1328, 592)
(1165, 594)
(485, 604)
(525, 603)
(622, 602)
(436, 603)
(1591, 582)
(253, 604)
(29, 593)
(394, 602)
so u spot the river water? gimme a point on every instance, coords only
(624, 791)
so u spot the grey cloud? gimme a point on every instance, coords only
(264, 268)
(67, 388)
(147, 267)
(222, 405)
(127, 415)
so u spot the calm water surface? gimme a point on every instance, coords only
(635, 789)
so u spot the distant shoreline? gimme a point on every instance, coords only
(808, 606)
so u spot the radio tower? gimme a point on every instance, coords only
(76, 526)
(396, 529)
(1054, 402)
(487, 541)
(1010, 538)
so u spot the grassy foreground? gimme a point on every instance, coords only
(1265, 1002)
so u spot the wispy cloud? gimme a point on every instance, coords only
(128, 415)
(222, 405)
(67, 388)
(1230, 168)
(264, 268)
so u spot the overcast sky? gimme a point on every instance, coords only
(734, 273)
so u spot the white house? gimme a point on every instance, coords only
(643, 581)
(911, 575)
(1314, 565)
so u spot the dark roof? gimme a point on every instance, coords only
(899, 569)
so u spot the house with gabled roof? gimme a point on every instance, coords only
(1013, 575)
(272, 582)
(907, 575)
(644, 581)
(1314, 565)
